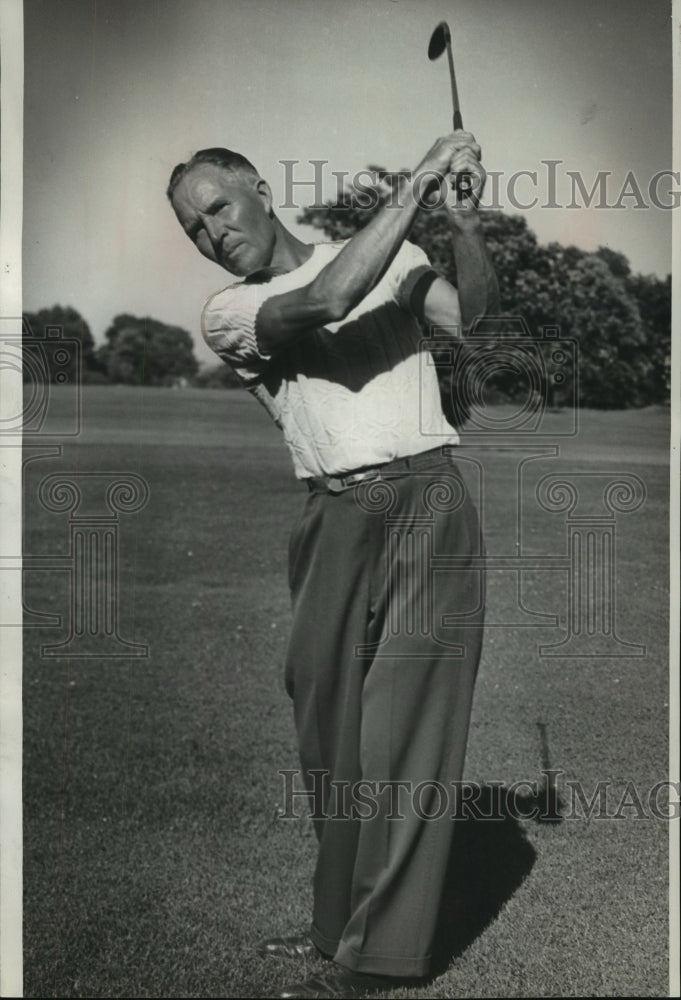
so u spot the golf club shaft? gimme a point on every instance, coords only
(463, 182)
(458, 121)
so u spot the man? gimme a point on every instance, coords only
(327, 338)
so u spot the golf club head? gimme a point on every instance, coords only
(438, 40)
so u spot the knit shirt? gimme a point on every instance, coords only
(353, 394)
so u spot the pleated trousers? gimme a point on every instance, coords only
(387, 586)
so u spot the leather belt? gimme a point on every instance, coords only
(399, 466)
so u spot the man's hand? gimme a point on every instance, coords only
(452, 156)
(467, 178)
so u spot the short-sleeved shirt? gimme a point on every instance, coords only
(350, 395)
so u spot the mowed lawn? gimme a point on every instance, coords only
(154, 853)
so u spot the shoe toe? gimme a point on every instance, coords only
(298, 946)
(339, 983)
(315, 987)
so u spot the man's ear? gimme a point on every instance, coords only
(265, 192)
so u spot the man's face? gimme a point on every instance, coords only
(227, 217)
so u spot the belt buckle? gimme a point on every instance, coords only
(370, 476)
(339, 484)
(334, 484)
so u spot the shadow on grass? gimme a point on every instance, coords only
(489, 860)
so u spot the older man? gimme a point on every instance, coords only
(328, 338)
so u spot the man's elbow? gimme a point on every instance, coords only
(276, 327)
(269, 341)
(489, 305)
(327, 306)
(493, 297)
(337, 310)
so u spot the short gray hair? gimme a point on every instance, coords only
(219, 157)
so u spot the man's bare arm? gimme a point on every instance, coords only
(342, 284)
(350, 276)
(477, 292)
(446, 307)
(476, 281)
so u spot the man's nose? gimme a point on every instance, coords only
(215, 229)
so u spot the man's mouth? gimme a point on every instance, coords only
(228, 251)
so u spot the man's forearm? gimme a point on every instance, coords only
(363, 261)
(353, 273)
(476, 281)
(343, 283)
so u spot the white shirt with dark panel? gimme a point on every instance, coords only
(353, 394)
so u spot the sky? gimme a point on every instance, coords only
(118, 91)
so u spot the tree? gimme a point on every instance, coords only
(654, 298)
(58, 346)
(616, 261)
(616, 321)
(145, 351)
(595, 308)
(220, 376)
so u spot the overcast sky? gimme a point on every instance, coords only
(118, 91)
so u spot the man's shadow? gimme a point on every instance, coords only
(489, 859)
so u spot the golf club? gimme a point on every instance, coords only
(440, 40)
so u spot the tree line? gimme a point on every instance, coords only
(619, 321)
(136, 350)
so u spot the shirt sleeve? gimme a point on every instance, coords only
(407, 269)
(228, 327)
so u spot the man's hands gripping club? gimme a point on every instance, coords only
(452, 157)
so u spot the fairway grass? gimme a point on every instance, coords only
(155, 855)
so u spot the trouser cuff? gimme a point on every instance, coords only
(325, 945)
(403, 967)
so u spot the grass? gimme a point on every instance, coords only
(154, 856)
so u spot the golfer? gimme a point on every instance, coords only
(383, 652)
